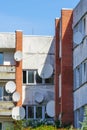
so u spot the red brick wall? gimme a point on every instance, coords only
(57, 68)
(67, 66)
(19, 66)
(64, 66)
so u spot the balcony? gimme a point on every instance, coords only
(7, 72)
(6, 108)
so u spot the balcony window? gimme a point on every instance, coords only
(32, 77)
(31, 112)
(1, 58)
(36, 112)
(4, 96)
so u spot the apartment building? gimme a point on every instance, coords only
(80, 60)
(43, 72)
(63, 67)
(28, 62)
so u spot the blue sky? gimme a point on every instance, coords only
(33, 17)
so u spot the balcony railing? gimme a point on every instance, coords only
(7, 72)
(6, 108)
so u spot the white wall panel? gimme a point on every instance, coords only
(79, 11)
(29, 93)
(79, 54)
(37, 50)
(7, 40)
(80, 97)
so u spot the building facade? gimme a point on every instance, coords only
(46, 72)
(63, 67)
(33, 75)
(80, 60)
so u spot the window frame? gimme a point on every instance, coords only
(44, 81)
(34, 115)
(5, 96)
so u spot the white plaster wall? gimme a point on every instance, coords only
(79, 11)
(7, 40)
(79, 54)
(80, 97)
(9, 58)
(37, 50)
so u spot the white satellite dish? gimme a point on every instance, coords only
(18, 113)
(18, 56)
(78, 37)
(38, 97)
(16, 96)
(45, 71)
(10, 87)
(50, 108)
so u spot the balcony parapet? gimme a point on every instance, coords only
(7, 72)
(6, 108)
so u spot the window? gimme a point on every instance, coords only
(1, 93)
(36, 112)
(32, 77)
(30, 112)
(4, 95)
(24, 76)
(77, 77)
(84, 26)
(1, 58)
(78, 27)
(84, 71)
(0, 126)
(38, 79)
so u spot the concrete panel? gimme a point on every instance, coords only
(7, 76)
(79, 11)
(6, 108)
(38, 44)
(80, 97)
(79, 54)
(29, 93)
(34, 61)
(7, 69)
(7, 40)
(37, 50)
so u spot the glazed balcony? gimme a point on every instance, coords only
(7, 72)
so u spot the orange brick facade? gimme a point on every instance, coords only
(64, 66)
(19, 66)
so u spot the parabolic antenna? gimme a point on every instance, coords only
(38, 97)
(78, 37)
(18, 113)
(16, 96)
(10, 87)
(18, 56)
(50, 108)
(45, 71)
